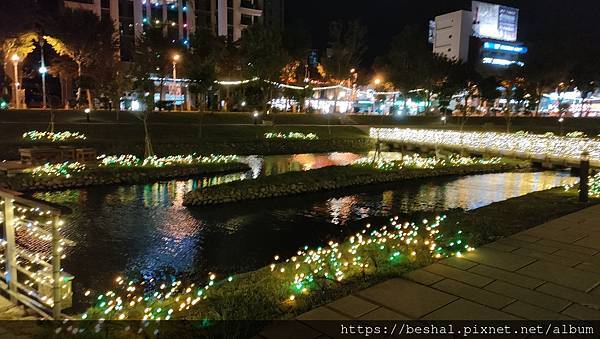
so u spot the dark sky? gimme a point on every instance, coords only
(386, 18)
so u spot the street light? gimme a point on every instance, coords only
(87, 112)
(561, 120)
(444, 119)
(377, 81)
(15, 59)
(43, 70)
(175, 60)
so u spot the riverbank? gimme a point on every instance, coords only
(549, 272)
(115, 175)
(294, 285)
(332, 178)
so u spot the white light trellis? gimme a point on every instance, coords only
(33, 276)
(518, 145)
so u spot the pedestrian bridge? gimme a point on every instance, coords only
(544, 149)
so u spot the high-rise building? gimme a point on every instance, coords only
(485, 36)
(452, 34)
(177, 18)
(229, 18)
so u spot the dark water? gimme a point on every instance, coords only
(145, 229)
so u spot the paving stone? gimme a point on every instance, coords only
(581, 312)
(529, 296)
(531, 312)
(475, 294)
(459, 263)
(565, 246)
(579, 297)
(564, 261)
(423, 277)
(456, 274)
(592, 241)
(352, 306)
(513, 278)
(562, 275)
(501, 246)
(322, 313)
(407, 297)
(383, 314)
(524, 237)
(530, 245)
(578, 256)
(586, 266)
(503, 260)
(554, 225)
(467, 310)
(289, 329)
(560, 236)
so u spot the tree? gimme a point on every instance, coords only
(410, 64)
(201, 64)
(66, 70)
(86, 39)
(264, 57)
(346, 48)
(545, 68)
(151, 59)
(488, 90)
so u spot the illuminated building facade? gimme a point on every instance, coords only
(131, 16)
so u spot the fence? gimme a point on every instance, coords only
(31, 253)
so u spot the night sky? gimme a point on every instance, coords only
(386, 18)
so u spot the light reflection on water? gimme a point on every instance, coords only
(145, 228)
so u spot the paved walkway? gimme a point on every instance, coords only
(550, 272)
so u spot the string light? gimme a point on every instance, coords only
(292, 135)
(53, 137)
(365, 252)
(510, 144)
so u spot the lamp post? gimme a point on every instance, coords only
(87, 112)
(175, 60)
(255, 118)
(15, 59)
(43, 70)
(561, 120)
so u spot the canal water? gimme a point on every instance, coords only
(144, 229)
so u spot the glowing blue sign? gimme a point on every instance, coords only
(505, 48)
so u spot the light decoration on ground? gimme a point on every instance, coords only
(65, 169)
(368, 251)
(416, 161)
(576, 134)
(53, 137)
(68, 169)
(520, 145)
(156, 162)
(292, 135)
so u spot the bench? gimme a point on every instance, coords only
(83, 155)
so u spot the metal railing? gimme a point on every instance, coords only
(32, 275)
